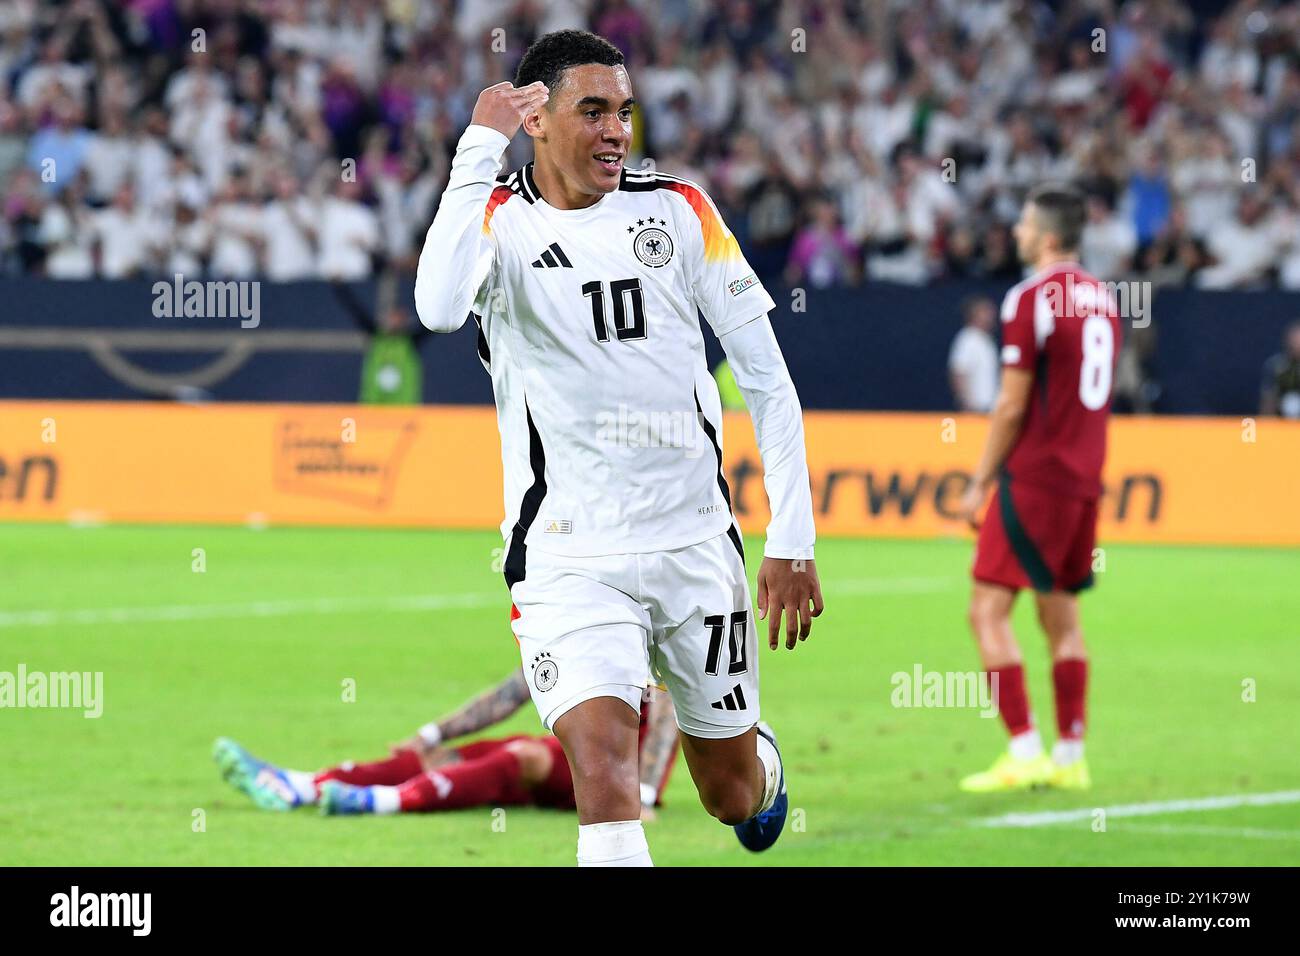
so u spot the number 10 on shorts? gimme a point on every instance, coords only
(717, 623)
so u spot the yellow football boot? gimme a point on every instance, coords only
(1073, 776)
(1010, 773)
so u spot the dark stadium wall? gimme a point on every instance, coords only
(878, 346)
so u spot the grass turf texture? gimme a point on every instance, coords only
(1173, 634)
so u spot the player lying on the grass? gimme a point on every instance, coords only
(424, 773)
(1045, 449)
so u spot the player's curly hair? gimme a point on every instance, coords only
(553, 53)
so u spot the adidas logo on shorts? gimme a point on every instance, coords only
(733, 701)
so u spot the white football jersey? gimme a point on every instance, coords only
(610, 419)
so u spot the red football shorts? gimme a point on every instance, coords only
(1034, 538)
(555, 791)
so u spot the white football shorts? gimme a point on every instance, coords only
(608, 626)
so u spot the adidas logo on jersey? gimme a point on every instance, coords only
(552, 258)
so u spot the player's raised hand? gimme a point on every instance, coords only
(788, 587)
(503, 108)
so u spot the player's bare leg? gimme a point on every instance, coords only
(599, 737)
(1058, 614)
(1024, 764)
(989, 615)
(728, 775)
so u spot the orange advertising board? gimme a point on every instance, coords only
(1205, 480)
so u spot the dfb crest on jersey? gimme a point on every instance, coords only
(653, 246)
(546, 673)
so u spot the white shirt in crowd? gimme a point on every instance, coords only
(40, 79)
(125, 242)
(153, 163)
(70, 242)
(349, 232)
(108, 164)
(1243, 254)
(188, 247)
(1107, 247)
(234, 253)
(290, 253)
(974, 356)
(404, 209)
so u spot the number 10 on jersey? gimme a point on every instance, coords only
(629, 309)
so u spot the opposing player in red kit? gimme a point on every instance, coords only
(1044, 454)
(428, 773)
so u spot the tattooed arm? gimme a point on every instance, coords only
(490, 707)
(658, 750)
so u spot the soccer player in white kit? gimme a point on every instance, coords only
(622, 555)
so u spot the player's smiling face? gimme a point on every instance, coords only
(584, 134)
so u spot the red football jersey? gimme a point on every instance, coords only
(1062, 325)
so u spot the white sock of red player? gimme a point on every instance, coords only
(620, 843)
(1066, 752)
(1026, 745)
(304, 784)
(385, 799)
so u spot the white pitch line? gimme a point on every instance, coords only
(335, 605)
(1048, 817)
(1192, 829)
(283, 608)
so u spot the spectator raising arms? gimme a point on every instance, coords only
(312, 138)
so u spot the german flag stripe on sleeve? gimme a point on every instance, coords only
(499, 195)
(719, 243)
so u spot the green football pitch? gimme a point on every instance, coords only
(315, 646)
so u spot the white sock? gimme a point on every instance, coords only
(385, 799)
(621, 843)
(771, 762)
(1066, 752)
(1027, 745)
(304, 784)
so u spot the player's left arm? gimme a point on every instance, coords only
(735, 304)
(1004, 426)
(788, 585)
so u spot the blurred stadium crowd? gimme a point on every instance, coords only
(876, 139)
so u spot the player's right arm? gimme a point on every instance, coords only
(458, 252)
(1020, 348)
